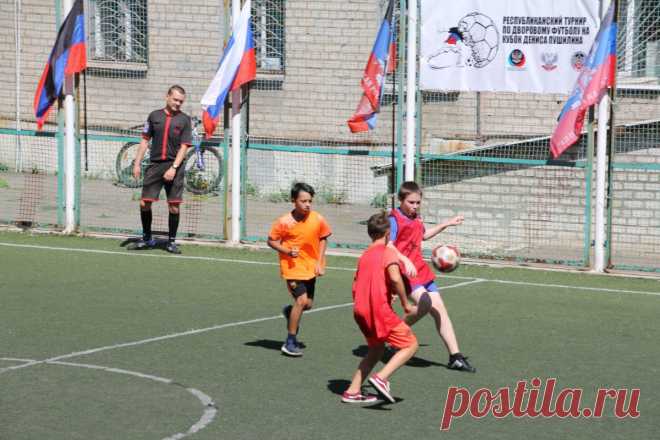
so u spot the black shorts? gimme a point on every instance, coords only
(153, 182)
(300, 287)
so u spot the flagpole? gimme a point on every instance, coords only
(69, 145)
(601, 165)
(236, 147)
(411, 105)
(601, 171)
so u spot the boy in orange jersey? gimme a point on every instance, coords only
(376, 281)
(300, 238)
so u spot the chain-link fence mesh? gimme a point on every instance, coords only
(302, 134)
(484, 155)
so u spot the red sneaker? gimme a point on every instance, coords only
(358, 398)
(383, 387)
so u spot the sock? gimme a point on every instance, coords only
(173, 221)
(453, 357)
(145, 216)
(291, 339)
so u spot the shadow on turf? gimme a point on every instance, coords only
(269, 344)
(161, 243)
(417, 362)
(338, 386)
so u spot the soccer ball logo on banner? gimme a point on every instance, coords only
(474, 42)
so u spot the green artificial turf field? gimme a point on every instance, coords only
(100, 343)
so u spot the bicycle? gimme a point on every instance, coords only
(202, 165)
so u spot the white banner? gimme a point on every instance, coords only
(505, 45)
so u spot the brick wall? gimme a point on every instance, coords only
(327, 45)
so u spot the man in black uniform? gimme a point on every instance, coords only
(170, 133)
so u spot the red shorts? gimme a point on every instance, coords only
(400, 336)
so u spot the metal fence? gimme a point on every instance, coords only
(484, 155)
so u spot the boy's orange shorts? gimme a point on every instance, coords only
(401, 336)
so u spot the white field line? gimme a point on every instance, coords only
(210, 409)
(561, 286)
(31, 362)
(184, 257)
(350, 269)
(16, 360)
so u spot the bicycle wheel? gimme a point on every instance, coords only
(204, 181)
(124, 165)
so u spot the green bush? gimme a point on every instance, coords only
(251, 189)
(381, 200)
(282, 195)
(329, 195)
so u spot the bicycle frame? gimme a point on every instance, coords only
(197, 144)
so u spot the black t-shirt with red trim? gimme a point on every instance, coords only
(167, 132)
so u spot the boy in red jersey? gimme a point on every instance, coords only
(376, 281)
(300, 238)
(407, 232)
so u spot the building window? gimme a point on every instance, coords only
(268, 26)
(118, 31)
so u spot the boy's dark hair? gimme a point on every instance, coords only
(301, 186)
(176, 87)
(378, 225)
(408, 188)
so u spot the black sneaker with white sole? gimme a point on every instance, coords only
(460, 363)
(290, 348)
(172, 248)
(142, 245)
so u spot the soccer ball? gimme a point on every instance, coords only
(445, 257)
(481, 36)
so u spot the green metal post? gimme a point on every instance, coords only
(609, 197)
(60, 137)
(588, 174)
(418, 147)
(78, 171)
(245, 128)
(401, 93)
(611, 151)
(418, 116)
(226, 131)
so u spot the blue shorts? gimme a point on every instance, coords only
(429, 287)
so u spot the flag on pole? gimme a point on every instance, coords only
(68, 56)
(237, 67)
(597, 75)
(381, 62)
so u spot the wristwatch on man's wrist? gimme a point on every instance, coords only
(175, 166)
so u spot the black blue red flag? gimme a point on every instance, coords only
(597, 75)
(381, 62)
(68, 56)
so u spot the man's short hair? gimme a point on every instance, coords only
(408, 188)
(378, 225)
(301, 186)
(176, 87)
